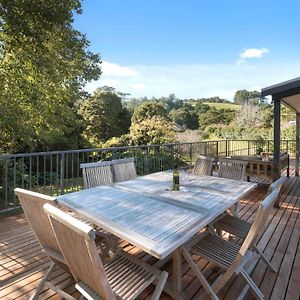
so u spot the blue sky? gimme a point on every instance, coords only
(193, 48)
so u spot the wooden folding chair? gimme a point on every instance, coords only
(123, 278)
(203, 165)
(232, 169)
(230, 257)
(123, 169)
(240, 228)
(32, 204)
(96, 174)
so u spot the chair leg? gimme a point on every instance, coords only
(39, 288)
(160, 286)
(199, 275)
(259, 295)
(211, 229)
(60, 292)
(264, 259)
(234, 210)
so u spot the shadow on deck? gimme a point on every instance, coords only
(22, 263)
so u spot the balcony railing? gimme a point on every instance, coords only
(59, 172)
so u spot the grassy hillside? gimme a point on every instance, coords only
(224, 105)
(218, 105)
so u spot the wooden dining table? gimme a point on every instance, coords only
(147, 213)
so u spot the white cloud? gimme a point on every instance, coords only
(112, 69)
(139, 86)
(110, 82)
(252, 53)
(197, 81)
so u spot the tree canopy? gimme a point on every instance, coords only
(147, 110)
(247, 97)
(104, 116)
(44, 65)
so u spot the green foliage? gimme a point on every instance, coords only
(147, 110)
(150, 125)
(214, 116)
(238, 133)
(247, 97)
(210, 100)
(152, 130)
(185, 117)
(202, 108)
(44, 64)
(121, 141)
(104, 116)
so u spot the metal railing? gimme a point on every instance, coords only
(59, 172)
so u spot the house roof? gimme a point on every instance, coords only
(288, 92)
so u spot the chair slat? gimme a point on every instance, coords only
(232, 169)
(123, 169)
(203, 165)
(96, 174)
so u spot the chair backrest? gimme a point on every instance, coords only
(96, 174)
(257, 226)
(232, 169)
(261, 217)
(203, 165)
(32, 204)
(76, 240)
(123, 169)
(277, 185)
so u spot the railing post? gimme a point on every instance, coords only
(226, 148)
(217, 149)
(62, 174)
(191, 155)
(248, 147)
(268, 146)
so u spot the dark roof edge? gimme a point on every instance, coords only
(280, 88)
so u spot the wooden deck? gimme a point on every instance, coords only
(22, 264)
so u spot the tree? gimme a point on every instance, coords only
(216, 116)
(152, 130)
(249, 116)
(104, 116)
(185, 117)
(147, 110)
(150, 125)
(44, 65)
(248, 97)
(202, 108)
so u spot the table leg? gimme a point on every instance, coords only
(176, 278)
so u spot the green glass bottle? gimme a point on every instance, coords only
(175, 179)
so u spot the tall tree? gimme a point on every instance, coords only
(150, 125)
(104, 116)
(44, 64)
(148, 110)
(248, 97)
(185, 117)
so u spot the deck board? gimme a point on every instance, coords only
(22, 263)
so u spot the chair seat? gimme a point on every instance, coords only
(217, 250)
(126, 278)
(233, 225)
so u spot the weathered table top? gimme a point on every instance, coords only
(146, 213)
